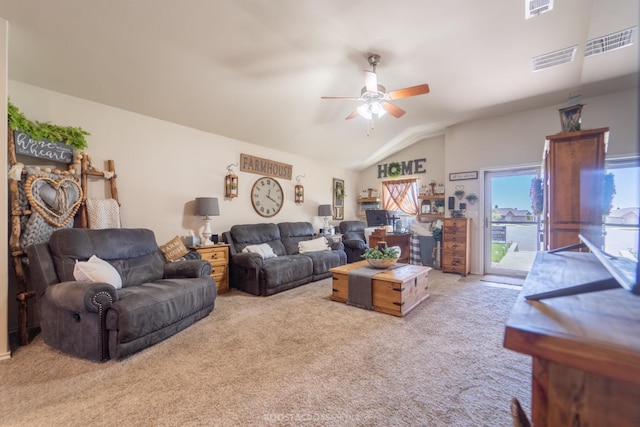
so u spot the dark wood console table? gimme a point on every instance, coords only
(401, 240)
(585, 348)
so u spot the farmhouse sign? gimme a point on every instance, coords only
(267, 167)
(409, 167)
(44, 149)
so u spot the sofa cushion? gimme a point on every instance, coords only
(244, 235)
(319, 244)
(97, 270)
(324, 260)
(133, 252)
(286, 269)
(293, 233)
(149, 307)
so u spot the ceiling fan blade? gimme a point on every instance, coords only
(352, 115)
(409, 91)
(370, 81)
(342, 98)
(396, 112)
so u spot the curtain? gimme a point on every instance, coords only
(401, 195)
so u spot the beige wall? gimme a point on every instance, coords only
(4, 255)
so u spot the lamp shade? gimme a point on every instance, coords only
(207, 206)
(324, 210)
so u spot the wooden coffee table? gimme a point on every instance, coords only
(394, 291)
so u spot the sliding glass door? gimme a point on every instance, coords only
(511, 230)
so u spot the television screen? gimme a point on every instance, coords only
(377, 217)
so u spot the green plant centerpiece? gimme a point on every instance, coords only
(381, 257)
(69, 135)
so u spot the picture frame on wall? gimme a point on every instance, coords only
(338, 198)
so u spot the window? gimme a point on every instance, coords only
(401, 196)
(621, 223)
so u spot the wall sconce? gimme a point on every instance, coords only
(207, 207)
(231, 183)
(570, 116)
(299, 190)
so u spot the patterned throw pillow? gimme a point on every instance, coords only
(174, 249)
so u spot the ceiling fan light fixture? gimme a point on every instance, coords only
(369, 110)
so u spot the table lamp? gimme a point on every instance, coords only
(325, 211)
(207, 207)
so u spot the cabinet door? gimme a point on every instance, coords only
(574, 182)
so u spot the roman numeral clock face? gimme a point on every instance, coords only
(266, 196)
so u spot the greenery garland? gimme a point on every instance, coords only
(69, 135)
(394, 169)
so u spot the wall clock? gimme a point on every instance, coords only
(266, 196)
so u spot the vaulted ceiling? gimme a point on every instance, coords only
(255, 70)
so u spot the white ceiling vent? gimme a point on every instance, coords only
(553, 58)
(533, 8)
(611, 42)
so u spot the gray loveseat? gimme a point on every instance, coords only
(251, 272)
(95, 321)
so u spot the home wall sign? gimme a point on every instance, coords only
(395, 169)
(461, 176)
(44, 149)
(268, 167)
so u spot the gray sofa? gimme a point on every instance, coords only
(252, 273)
(93, 320)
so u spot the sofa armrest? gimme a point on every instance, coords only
(247, 260)
(193, 268)
(355, 244)
(84, 296)
(337, 246)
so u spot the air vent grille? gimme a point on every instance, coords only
(611, 42)
(536, 7)
(554, 58)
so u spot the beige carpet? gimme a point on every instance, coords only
(296, 358)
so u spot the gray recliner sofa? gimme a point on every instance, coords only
(93, 320)
(251, 272)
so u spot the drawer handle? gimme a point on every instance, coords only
(397, 289)
(399, 303)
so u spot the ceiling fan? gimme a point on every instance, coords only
(374, 97)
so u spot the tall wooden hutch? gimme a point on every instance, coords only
(573, 187)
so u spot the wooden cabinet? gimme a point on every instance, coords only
(585, 349)
(401, 240)
(218, 256)
(429, 209)
(456, 242)
(573, 185)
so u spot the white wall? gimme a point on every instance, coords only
(432, 149)
(162, 167)
(510, 141)
(4, 212)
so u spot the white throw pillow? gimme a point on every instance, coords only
(97, 270)
(264, 250)
(319, 244)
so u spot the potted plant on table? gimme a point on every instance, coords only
(381, 257)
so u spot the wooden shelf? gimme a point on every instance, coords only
(431, 197)
(429, 217)
(368, 199)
